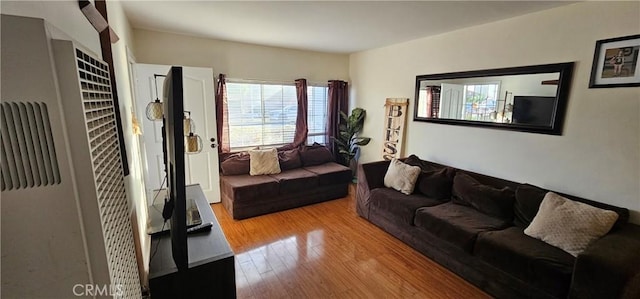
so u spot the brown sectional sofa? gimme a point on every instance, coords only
(486, 245)
(308, 176)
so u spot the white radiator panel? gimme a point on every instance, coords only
(44, 253)
(27, 149)
(65, 215)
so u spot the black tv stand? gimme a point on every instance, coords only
(211, 271)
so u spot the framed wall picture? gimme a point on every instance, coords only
(615, 62)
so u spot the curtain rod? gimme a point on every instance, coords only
(238, 80)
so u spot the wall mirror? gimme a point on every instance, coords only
(529, 99)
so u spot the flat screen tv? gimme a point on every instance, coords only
(173, 148)
(533, 110)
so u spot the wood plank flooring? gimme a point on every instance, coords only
(326, 251)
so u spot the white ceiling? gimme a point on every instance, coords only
(325, 26)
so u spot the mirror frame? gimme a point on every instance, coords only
(562, 93)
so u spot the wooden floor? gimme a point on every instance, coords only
(326, 251)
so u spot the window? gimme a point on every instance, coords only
(263, 114)
(317, 114)
(480, 101)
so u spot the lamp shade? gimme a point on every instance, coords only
(189, 125)
(155, 110)
(193, 144)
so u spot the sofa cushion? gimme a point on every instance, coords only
(457, 224)
(401, 176)
(315, 154)
(484, 198)
(264, 162)
(528, 199)
(435, 180)
(396, 205)
(289, 159)
(295, 180)
(235, 164)
(244, 188)
(414, 160)
(436, 183)
(331, 173)
(526, 258)
(568, 224)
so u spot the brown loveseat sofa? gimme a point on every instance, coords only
(309, 175)
(486, 244)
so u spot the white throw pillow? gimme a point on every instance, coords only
(401, 176)
(263, 162)
(569, 225)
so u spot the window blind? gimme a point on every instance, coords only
(261, 114)
(264, 114)
(317, 114)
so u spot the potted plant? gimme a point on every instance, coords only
(348, 142)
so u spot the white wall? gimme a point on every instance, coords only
(598, 155)
(72, 24)
(123, 53)
(238, 60)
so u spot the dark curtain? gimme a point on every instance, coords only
(222, 115)
(300, 137)
(338, 102)
(433, 101)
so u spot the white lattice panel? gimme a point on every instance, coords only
(98, 107)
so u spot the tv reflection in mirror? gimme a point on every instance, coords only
(531, 110)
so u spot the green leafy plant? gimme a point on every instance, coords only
(348, 141)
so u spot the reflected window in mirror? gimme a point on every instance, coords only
(473, 101)
(480, 101)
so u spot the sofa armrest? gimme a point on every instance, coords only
(610, 267)
(370, 176)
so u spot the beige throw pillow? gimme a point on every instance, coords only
(569, 225)
(263, 162)
(401, 176)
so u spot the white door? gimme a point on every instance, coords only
(451, 101)
(201, 168)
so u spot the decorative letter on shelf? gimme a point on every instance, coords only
(395, 118)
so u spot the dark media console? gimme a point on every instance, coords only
(211, 269)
